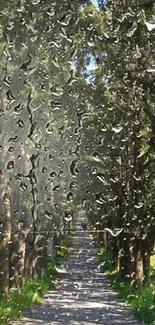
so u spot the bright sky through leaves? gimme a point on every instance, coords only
(95, 2)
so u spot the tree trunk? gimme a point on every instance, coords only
(127, 257)
(4, 246)
(105, 240)
(114, 252)
(41, 256)
(43, 261)
(13, 257)
(122, 260)
(122, 268)
(21, 254)
(146, 268)
(146, 252)
(29, 254)
(138, 263)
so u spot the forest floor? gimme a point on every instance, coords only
(83, 295)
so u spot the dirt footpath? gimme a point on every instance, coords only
(83, 296)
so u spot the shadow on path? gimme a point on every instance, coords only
(83, 296)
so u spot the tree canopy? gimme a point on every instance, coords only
(76, 129)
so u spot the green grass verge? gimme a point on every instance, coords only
(65, 244)
(12, 308)
(31, 292)
(103, 256)
(95, 236)
(141, 300)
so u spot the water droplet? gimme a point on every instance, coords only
(10, 165)
(56, 188)
(73, 185)
(14, 139)
(60, 174)
(69, 197)
(53, 174)
(101, 177)
(117, 128)
(35, 2)
(44, 170)
(18, 108)
(11, 149)
(73, 168)
(20, 123)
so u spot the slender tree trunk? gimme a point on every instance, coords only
(122, 259)
(29, 260)
(43, 261)
(29, 254)
(110, 248)
(146, 268)
(41, 257)
(114, 252)
(4, 246)
(21, 254)
(127, 258)
(14, 259)
(105, 240)
(146, 252)
(122, 268)
(138, 263)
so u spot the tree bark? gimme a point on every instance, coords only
(146, 252)
(146, 268)
(138, 263)
(4, 246)
(29, 254)
(13, 257)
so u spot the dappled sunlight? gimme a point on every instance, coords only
(83, 295)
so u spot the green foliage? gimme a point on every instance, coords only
(152, 260)
(107, 265)
(65, 244)
(103, 256)
(31, 292)
(141, 300)
(96, 238)
(143, 304)
(62, 252)
(51, 274)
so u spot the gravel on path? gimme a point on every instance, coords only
(82, 296)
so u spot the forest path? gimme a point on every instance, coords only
(83, 296)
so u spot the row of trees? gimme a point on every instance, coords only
(39, 120)
(118, 146)
(76, 125)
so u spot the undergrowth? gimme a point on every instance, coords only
(32, 291)
(142, 299)
(65, 244)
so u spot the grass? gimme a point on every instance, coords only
(65, 244)
(32, 291)
(142, 299)
(103, 256)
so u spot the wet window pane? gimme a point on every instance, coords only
(77, 131)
